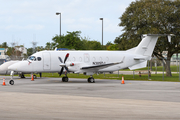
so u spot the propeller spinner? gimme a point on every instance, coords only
(62, 64)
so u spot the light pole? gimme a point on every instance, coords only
(102, 31)
(60, 22)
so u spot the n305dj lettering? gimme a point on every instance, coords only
(98, 63)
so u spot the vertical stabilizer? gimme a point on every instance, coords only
(146, 46)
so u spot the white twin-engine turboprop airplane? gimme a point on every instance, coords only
(88, 62)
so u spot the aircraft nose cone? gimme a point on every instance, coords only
(21, 66)
(12, 67)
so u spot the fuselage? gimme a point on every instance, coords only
(47, 61)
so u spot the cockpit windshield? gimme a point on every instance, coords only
(33, 58)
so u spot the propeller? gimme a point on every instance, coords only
(62, 64)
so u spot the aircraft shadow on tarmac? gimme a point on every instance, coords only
(42, 80)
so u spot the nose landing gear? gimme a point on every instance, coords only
(11, 82)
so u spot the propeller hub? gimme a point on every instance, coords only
(62, 64)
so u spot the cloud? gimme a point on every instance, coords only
(27, 17)
(27, 27)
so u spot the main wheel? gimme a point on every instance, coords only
(22, 76)
(11, 82)
(65, 79)
(91, 80)
(88, 80)
(34, 76)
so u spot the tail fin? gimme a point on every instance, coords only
(146, 46)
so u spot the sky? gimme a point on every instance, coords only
(25, 21)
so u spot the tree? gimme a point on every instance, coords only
(4, 45)
(94, 45)
(111, 46)
(39, 48)
(29, 51)
(152, 17)
(10, 51)
(73, 40)
(88, 44)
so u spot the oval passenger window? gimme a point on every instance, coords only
(39, 58)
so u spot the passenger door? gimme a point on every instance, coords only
(46, 61)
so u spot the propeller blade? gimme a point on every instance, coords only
(63, 65)
(66, 69)
(67, 55)
(61, 71)
(60, 59)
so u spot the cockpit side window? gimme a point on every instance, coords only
(39, 58)
(33, 58)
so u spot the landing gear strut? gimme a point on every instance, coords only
(21, 75)
(11, 82)
(40, 74)
(34, 76)
(91, 79)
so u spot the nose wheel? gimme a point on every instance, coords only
(11, 82)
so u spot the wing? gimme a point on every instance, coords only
(97, 67)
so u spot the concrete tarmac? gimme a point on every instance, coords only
(51, 99)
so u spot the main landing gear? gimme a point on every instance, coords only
(35, 77)
(65, 79)
(21, 75)
(91, 79)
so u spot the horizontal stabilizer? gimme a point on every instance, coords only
(139, 58)
(137, 66)
(142, 58)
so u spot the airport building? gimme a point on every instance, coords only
(3, 57)
(2, 51)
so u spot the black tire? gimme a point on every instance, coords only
(22, 76)
(11, 82)
(65, 79)
(34, 76)
(91, 80)
(88, 80)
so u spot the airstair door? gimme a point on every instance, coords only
(46, 61)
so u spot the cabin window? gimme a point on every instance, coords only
(94, 59)
(80, 59)
(39, 58)
(74, 59)
(107, 59)
(100, 59)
